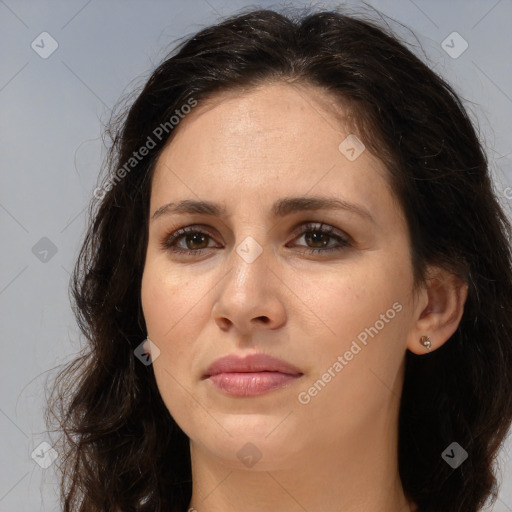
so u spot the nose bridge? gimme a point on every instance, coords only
(249, 292)
(253, 251)
(251, 239)
(249, 264)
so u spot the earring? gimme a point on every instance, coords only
(147, 347)
(425, 341)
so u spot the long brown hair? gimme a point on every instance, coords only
(120, 448)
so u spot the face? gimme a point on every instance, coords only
(324, 285)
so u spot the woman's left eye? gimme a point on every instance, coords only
(318, 234)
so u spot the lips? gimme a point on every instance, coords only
(251, 375)
(250, 364)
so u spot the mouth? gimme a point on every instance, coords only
(252, 375)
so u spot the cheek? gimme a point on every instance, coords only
(356, 368)
(352, 297)
(168, 298)
(166, 322)
(364, 312)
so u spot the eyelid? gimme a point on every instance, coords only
(319, 226)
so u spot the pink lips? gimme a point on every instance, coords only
(251, 375)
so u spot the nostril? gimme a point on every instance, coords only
(223, 323)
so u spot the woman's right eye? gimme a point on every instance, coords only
(189, 236)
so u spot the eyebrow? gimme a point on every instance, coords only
(280, 208)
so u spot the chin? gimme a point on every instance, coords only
(254, 442)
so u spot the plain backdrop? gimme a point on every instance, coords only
(53, 108)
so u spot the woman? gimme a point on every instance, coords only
(296, 286)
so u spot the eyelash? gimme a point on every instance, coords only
(169, 241)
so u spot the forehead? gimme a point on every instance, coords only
(267, 140)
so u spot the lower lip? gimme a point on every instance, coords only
(251, 384)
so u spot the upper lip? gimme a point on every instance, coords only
(251, 363)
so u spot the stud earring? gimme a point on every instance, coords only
(425, 341)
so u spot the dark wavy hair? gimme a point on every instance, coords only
(120, 448)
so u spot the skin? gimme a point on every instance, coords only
(245, 150)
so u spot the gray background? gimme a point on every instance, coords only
(52, 113)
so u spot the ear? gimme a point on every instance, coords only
(438, 310)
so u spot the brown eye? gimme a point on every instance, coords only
(194, 240)
(317, 237)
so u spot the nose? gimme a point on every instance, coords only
(250, 297)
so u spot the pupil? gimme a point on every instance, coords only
(196, 238)
(317, 238)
